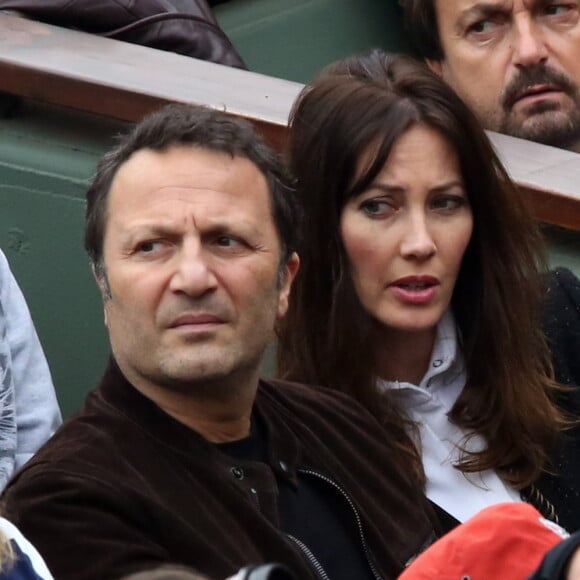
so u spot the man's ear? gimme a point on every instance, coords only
(435, 65)
(290, 271)
(100, 277)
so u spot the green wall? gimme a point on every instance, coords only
(294, 39)
(46, 157)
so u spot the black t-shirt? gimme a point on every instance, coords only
(314, 513)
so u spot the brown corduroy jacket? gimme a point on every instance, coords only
(123, 487)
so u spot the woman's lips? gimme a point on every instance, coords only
(415, 289)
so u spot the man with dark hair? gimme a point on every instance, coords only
(182, 457)
(514, 62)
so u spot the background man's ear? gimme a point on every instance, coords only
(435, 65)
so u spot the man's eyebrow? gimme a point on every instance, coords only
(149, 228)
(136, 231)
(219, 225)
(481, 10)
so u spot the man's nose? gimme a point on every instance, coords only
(417, 241)
(528, 43)
(193, 275)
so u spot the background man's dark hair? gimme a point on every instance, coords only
(420, 21)
(188, 125)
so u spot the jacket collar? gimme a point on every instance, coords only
(123, 398)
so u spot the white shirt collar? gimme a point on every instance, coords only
(445, 376)
(428, 405)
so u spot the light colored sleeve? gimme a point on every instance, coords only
(12, 533)
(37, 413)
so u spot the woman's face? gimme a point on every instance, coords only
(405, 236)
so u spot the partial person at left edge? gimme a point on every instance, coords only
(29, 412)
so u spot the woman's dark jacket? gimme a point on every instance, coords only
(562, 330)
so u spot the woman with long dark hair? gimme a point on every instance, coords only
(420, 287)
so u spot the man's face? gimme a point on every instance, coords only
(191, 257)
(516, 63)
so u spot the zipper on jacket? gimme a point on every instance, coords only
(312, 560)
(361, 534)
(255, 499)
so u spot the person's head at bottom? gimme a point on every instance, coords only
(506, 540)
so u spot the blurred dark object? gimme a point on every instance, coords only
(263, 572)
(171, 572)
(10, 105)
(167, 572)
(186, 27)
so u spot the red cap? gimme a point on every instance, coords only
(506, 540)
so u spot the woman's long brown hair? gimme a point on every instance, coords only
(326, 337)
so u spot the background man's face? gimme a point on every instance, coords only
(191, 255)
(516, 63)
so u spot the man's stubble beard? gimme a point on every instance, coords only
(216, 376)
(543, 122)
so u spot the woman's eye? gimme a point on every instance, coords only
(448, 203)
(481, 26)
(376, 207)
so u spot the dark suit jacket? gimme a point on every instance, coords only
(561, 320)
(562, 329)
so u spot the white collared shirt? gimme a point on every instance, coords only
(428, 404)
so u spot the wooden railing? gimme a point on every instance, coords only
(126, 81)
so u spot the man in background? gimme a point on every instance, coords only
(516, 63)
